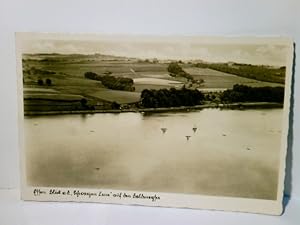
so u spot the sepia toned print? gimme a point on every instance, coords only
(193, 122)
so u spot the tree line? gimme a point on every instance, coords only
(175, 70)
(170, 97)
(112, 82)
(243, 93)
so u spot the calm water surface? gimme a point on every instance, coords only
(232, 153)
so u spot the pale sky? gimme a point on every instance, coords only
(164, 48)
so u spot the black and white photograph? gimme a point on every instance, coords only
(176, 121)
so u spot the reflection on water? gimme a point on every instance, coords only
(231, 153)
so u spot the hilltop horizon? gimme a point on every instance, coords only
(150, 59)
(185, 49)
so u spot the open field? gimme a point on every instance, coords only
(265, 73)
(49, 94)
(48, 99)
(217, 79)
(130, 68)
(155, 81)
(121, 97)
(57, 96)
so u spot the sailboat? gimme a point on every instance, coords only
(163, 129)
(195, 129)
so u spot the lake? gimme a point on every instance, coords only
(231, 153)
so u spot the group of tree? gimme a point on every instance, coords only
(118, 83)
(48, 82)
(154, 60)
(257, 72)
(175, 70)
(243, 93)
(112, 82)
(85, 104)
(171, 98)
(92, 76)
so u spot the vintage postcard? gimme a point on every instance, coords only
(193, 122)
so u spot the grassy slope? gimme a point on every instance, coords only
(257, 72)
(68, 78)
(117, 96)
(217, 79)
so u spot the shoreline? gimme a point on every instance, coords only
(238, 106)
